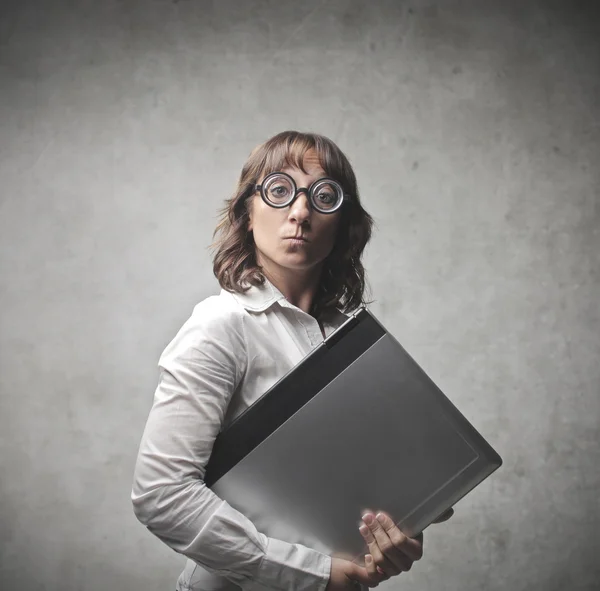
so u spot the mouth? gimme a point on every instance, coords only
(296, 239)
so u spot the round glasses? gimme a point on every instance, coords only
(278, 189)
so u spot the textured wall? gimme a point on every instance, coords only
(474, 129)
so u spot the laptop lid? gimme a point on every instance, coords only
(356, 424)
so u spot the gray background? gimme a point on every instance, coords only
(474, 130)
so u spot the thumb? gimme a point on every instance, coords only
(361, 575)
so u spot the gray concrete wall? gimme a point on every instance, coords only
(475, 133)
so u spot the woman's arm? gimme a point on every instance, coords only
(200, 370)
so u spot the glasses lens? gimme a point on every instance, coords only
(278, 189)
(327, 195)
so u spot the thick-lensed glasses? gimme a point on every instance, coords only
(278, 189)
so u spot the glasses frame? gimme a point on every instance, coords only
(298, 190)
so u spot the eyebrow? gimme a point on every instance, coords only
(319, 175)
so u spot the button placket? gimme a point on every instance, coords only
(310, 324)
(312, 328)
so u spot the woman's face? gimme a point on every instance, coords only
(273, 228)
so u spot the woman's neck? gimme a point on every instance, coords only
(298, 288)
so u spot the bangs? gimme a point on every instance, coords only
(288, 153)
(289, 149)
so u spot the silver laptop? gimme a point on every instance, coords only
(356, 424)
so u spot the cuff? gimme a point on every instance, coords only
(293, 566)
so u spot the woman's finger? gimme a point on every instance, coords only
(391, 559)
(444, 516)
(374, 571)
(379, 558)
(411, 547)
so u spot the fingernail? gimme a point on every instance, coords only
(368, 559)
(363, 529)
(380, 517)
(368, 518)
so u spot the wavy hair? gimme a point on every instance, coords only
(343, 282)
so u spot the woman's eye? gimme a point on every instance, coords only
(326, 197)
(279, 192)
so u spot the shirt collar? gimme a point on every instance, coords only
(259, 297)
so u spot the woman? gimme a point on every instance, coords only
(288, 259)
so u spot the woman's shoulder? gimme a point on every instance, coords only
(218, 310)
(212, 336)
(217, 318)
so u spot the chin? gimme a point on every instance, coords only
(296, 266)
(302, 265)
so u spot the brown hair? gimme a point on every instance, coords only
(343, 281)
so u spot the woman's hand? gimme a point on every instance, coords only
(391, 552)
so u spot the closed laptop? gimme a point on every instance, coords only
(356, 424)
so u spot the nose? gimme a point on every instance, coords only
(300, 209)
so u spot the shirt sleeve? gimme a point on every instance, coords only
(199, 372)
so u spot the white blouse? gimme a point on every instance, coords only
(226, 355)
